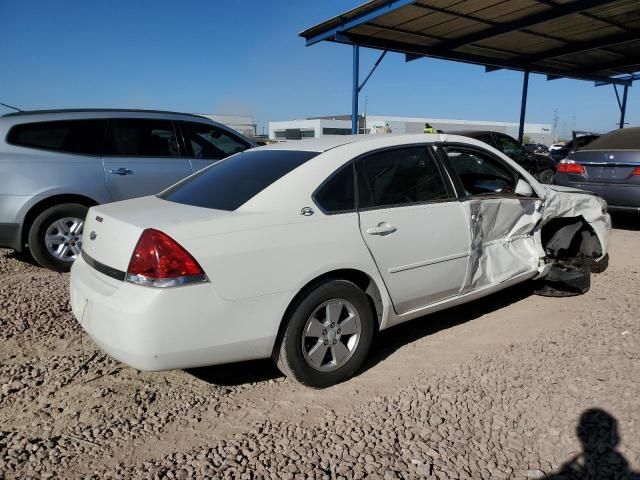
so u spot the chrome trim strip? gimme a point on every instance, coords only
(102, 268)
(425, 263)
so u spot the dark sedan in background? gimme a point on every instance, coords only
(608, 166)
(540, 166)
(579, 141)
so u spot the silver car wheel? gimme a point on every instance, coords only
(63, 238)
(331, 335)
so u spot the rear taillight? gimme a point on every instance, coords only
(636, 171)
(569, 166)
(159, 261)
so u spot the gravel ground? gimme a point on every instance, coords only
(513, 386)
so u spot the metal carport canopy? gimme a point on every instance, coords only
(594, 40)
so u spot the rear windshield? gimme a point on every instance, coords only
(232, 182)
(623, 139)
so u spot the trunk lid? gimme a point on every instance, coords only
(609, 166)
(112, 230)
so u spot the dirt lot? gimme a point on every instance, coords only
(512, 386)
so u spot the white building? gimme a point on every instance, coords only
(240, 123)
(308, 128)
(380, 124)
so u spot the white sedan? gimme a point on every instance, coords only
(302, 251)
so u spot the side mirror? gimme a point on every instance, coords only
(524, 189)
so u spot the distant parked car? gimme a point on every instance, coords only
(542, 148)
(56, 164)
(558, 154)
(302, 251)
(556, 146)
(537, 165)
(608, 166)
(536, 148)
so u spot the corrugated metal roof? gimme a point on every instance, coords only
(586, 39)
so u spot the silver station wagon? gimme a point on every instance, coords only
(54, 165)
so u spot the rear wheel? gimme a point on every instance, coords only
(546, 176)
(55, 236)
(328, 335)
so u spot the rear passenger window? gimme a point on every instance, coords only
(397, 177)
(72, 136)
(338, 193)
(141, 138)
(210, 142)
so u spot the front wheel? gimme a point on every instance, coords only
(546, 176)
(55, 236)
(328, 335)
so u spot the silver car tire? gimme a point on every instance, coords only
(327, 334)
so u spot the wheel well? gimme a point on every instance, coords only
(570, 237)
(48, 202)
(358, 277)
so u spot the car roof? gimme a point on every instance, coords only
(474, 133)
(63, 111)
(320, 144)
(329, 142)
(620, 139)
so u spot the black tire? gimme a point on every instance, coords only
(288, 352)
(38, 229)
(546, 176)
(567, 278)
(601, 265)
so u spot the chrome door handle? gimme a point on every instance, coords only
(382, 229)
(121, 171)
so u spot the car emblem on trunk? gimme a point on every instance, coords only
(307, 211)
(93, 235)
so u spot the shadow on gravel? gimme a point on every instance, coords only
(388, 341)
(385, 343)
(23, 257)
(626, 221)
(240, 373)
(599, 436)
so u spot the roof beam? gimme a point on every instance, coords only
(580, 47)
(367, 16)
(414, 51)
(592, 16)
(550, 14)
(491, 23)
(628, 79)
(614, 65)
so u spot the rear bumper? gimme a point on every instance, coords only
(618, 197)
(10, 234)
(182, 327)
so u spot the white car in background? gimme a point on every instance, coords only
(302, 251)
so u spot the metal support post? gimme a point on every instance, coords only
(523, 105)
(355, 90)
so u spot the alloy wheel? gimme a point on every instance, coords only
(331, 335)
(63, 238)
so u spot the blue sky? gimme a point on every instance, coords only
(228, 56)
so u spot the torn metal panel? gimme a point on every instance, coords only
(503, 243)
(566, 202)
(506, 238)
